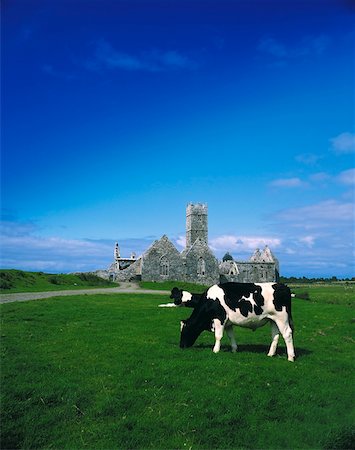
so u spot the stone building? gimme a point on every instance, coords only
(196, 263)
(261, 267)
(162, 261)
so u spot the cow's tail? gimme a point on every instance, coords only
(282, 297)
(289, 309)
(290, 314)
(290, 321)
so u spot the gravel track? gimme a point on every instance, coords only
(122, 289)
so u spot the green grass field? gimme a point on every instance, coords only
(12, 281)
(106, 372)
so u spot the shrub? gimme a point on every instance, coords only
(6, 281)
(5, 284)
(54, 279)
(345, 439)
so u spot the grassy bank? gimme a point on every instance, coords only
(333, 294)
(20, 281)
(106, 371)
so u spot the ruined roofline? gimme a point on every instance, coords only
(203, 207)
(264, 255)
(254, 262)
(198, 241)
(183, 263)
(127, 259)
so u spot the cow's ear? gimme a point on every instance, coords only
(176, 293)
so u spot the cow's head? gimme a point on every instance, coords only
(189, 334)
(180, 297)
(200, 320)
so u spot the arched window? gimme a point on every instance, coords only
(201, 266)
(263, 273)
(164, 266)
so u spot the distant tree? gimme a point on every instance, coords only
(334, 279)
(304, 280)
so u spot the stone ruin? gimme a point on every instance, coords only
(196, 263)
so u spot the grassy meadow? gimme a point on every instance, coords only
(12, 281)
(106, 372)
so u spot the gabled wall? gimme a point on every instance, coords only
(191, 259)
(152, 262)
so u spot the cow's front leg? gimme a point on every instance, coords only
(275, 334)
(230, 334)
(218, 334)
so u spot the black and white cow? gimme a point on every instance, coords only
(249, 305)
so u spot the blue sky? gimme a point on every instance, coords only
(116, 114)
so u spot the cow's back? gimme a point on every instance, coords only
(247, 304)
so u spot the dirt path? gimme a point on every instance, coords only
(121, 289)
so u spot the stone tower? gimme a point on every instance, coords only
(116, 252)
(196, 224)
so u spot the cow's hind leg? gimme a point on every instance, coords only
(275, 334)
(218, 334)
(230, 334)
(286, 331)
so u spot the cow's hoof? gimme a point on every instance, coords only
(291, 358)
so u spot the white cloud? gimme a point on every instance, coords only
(290, 251)
(314, 240)
(317, 44)
(13, 228)
(309, 159)
(49, 253)
(50, 70)
(307, 46)
(273, 47)
(181, 241)
(320, 177)
(343, 143)
(317, 239)
(308, 240)
(173, 59)
(320, 215)
(23, 248)
(242, 244)
(107, 57)
(347, 177)
(288, 183)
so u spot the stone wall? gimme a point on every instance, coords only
(128, 274)
(131, 273)
(102, 274)
(162, 262)
(250, 272)
(201, 266)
